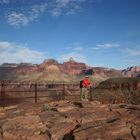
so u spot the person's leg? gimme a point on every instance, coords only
(83, 93)
(86, 93)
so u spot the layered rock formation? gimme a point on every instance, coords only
(27, 71)
(103, 73)
(67, 120)
(73, 67)
(132, 71)
(118, 90)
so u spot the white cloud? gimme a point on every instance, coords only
(18, 19)
(75, 44)
(73, 10)
(4, 1)
(58, 7)
(63, 3)
(78, 48)
(36, 10)
(39, 8)
(68, 7)
(15, 53)
(108, 45)
(95, 48)
(132, 52)
(23, 16)
(75, 55)
(4, 45)
(56, 12)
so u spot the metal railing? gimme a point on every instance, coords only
(16, 92)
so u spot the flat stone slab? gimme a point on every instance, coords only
(24, 127)
(66, 120)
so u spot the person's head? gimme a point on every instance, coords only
(86, 77)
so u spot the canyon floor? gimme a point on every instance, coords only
(70, 120)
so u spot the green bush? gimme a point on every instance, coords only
(46, 107)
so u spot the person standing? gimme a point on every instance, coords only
(85, 87)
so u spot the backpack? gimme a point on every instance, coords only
(81, 83)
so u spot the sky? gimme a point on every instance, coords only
(104, 33)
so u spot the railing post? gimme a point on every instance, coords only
(64, 91)
(80, 94)
(90, 93)
(3, 94)
(35, 92)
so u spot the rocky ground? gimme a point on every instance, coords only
(118, 90)
(65, 120)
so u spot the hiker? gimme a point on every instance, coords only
(85, 87)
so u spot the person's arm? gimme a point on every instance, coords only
(83, 84)
(89, 84)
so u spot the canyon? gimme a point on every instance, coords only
(67, 71)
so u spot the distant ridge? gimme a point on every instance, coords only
(68, 71)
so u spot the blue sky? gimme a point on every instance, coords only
(98, 32)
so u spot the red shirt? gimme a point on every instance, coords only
(86, 82)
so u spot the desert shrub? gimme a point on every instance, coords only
(46, 107)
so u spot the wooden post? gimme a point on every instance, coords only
(35, 92)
